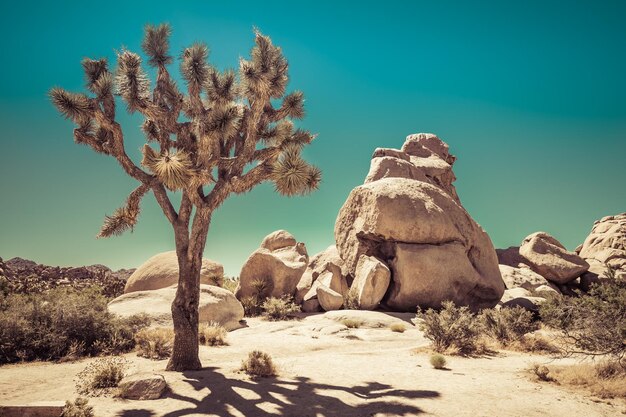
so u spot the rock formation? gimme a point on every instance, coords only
(161, 271)
(279, 263)
(408, 215)
(606, 245)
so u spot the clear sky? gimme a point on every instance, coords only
(531, 98)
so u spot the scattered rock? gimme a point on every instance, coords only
(329, 299)
(216, 305)
(281, 268)
(371, 281)
(549, 258)
(142, 386)
(161, 271)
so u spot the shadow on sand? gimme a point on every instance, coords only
(292, 397)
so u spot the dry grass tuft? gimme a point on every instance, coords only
(438, 361)
(155, 343)
(101, 376)
(280, 308)
(397, 327)
(605, 379)
(212, 334)
(259, 364)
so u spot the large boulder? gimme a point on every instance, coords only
(216, 305)
(161, 271)
(606, 245)
(416, 225)
(279, 263)
(370, 282)
(549, 258)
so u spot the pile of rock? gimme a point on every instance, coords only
(403, 240)
(542, 264)
(152, 287)
(26, 276)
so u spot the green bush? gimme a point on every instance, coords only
(62, 322)
(279, 308)
(438, 361)
(451, 328)
(259, 364)
(507, 324)
(594, 323)
(101, 375)
(78, 408)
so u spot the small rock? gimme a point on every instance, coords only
(142, 386)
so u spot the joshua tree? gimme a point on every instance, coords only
(223, 136)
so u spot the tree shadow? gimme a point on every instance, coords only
(136, 413)
(289, 397)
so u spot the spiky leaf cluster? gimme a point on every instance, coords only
(131, 80)
(124, 218)
(174, 170)
(76, 107)
(156, 44)
(265, 75)
(292, 175)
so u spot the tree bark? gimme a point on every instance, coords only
(185, 305)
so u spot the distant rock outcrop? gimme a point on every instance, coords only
(408, 215)
(26, 276)
(161, 271)
(606, 246)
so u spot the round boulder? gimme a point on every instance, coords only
(549, 258)
(216, 305)
(161, 271)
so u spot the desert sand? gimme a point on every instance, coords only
(327, 370)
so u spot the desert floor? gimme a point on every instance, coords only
(327, 370)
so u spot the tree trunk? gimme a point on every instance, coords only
(189, 250)
(185, 316)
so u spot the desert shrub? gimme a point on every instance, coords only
(252, 305)
(230, 283)
(438, 361)
(451, 328)
(351, 299)
(79, 408)
(534, 343)
(352, 323)
(593, 323)
(280, 308)
(259, 364)
(397, 327)
(62, 322)
(212, 334)
(605, 379)
(155, 343)
(507, 324)
(101, 375)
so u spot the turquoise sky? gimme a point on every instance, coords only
(531, 98)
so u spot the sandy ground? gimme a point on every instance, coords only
(326, 370)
